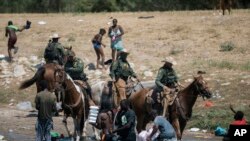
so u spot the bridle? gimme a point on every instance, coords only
(201, 90)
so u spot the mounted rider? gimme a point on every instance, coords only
(75, 68)
(120, 71)
(166, 83)
(54, 52)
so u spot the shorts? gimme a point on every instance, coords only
(11, 42)
(96, 45)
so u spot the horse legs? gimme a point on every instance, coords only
(139, 123)
(65, 124)
(77, 131)
(176, 126)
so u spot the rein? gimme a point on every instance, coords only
(180, 107)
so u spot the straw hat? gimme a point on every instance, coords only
(55, 35)
(170, 60)
(125, 51)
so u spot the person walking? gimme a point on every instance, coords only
(10, 31)
(45, 104)
(115, 33)
(97, 44)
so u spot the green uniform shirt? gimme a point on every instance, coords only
(60, 49)
(45, 104)
(75, 69)
(121, 69)
(165, 77)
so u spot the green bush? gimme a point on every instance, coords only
(175, 51)
(227, 46)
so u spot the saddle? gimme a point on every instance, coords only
(81, 84)
(163, 101)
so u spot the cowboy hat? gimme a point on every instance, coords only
(125, 51)
(170, 60)
(55, 35)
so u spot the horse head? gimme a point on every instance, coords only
(201, 86)
(59, 78)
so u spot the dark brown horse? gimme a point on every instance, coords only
(226, 4)
(46, 72)
(180, 111)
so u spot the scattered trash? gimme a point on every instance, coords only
(225, 84)
(204, 131)
(194, 129)
(10, 130)
(33, 58)
(208, 104)
(41, 22)
(1, 137)
(94, 110)
(219, 131)
(19, 71)
(26, 105)
(189, 80)
(80, 20)
(2, 56)
(11, 104)
(148, 73)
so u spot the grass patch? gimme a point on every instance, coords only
(216, 116)
(175, 51)
(246, 66)
(222, 64)
(227, 46)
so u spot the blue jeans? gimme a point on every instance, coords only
(43, 128)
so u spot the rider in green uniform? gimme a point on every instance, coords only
(75, 68)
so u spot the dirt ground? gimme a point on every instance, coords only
(192, 38)
(17, 125)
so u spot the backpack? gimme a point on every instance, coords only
(50, 52)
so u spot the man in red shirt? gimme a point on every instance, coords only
(239, 119)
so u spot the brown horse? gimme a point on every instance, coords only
(226, 4)
(75, 104)
(180, 111)
(46, 72)
(142, 105)
(105, 99)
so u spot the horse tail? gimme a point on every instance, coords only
(31, 81)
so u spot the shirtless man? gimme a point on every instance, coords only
(11, 32)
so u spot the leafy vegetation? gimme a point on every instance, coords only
(227, 46)
(46, 6)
